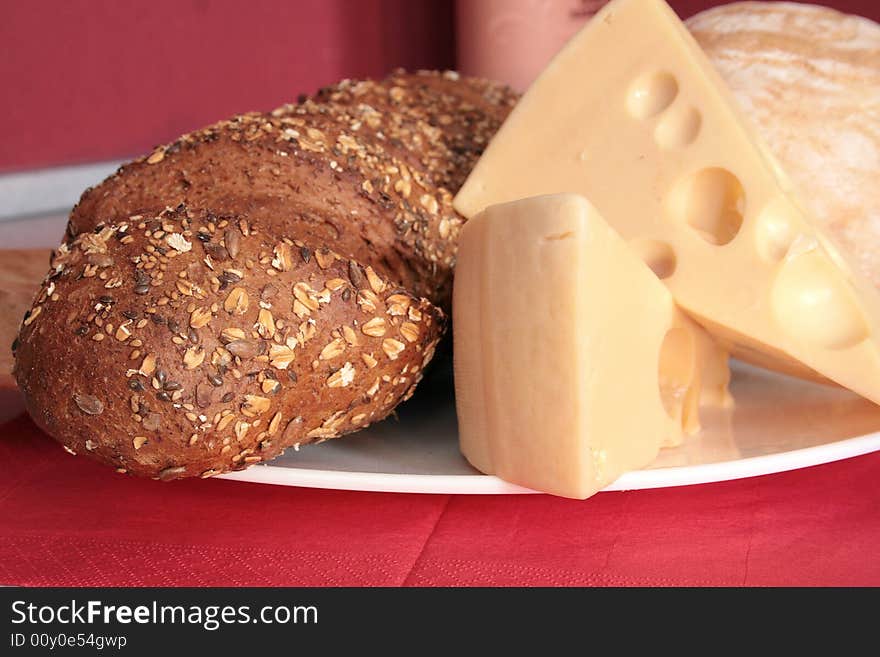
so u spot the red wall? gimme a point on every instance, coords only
(86, 80)
(97, 79)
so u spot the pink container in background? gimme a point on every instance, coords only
(512, 40)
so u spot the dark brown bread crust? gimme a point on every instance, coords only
(368, 168)
(180, 343)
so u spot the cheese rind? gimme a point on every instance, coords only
(654, 140)
(572, 362)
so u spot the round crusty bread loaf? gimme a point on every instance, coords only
(362, 169)
(180, 343)
(809, 79)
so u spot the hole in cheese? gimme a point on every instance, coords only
(659, 256)
(676, 370)
(711, 201)
(813, 304)
(774, 229)
(651, 94)
(678, 127)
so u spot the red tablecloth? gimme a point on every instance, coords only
(67, 521)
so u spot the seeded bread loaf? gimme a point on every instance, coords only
(185, 343)
(365, 168)
(274, 295)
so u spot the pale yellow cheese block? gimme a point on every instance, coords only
(809, 79)
(654, 139)
(572, 362)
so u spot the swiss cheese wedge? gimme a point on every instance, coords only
(572, 362)
(653, 138)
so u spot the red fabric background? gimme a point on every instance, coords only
(87, 80)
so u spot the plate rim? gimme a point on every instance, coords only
(481, 484)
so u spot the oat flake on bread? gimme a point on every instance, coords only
(809, 78)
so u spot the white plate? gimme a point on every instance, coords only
(778, 424)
